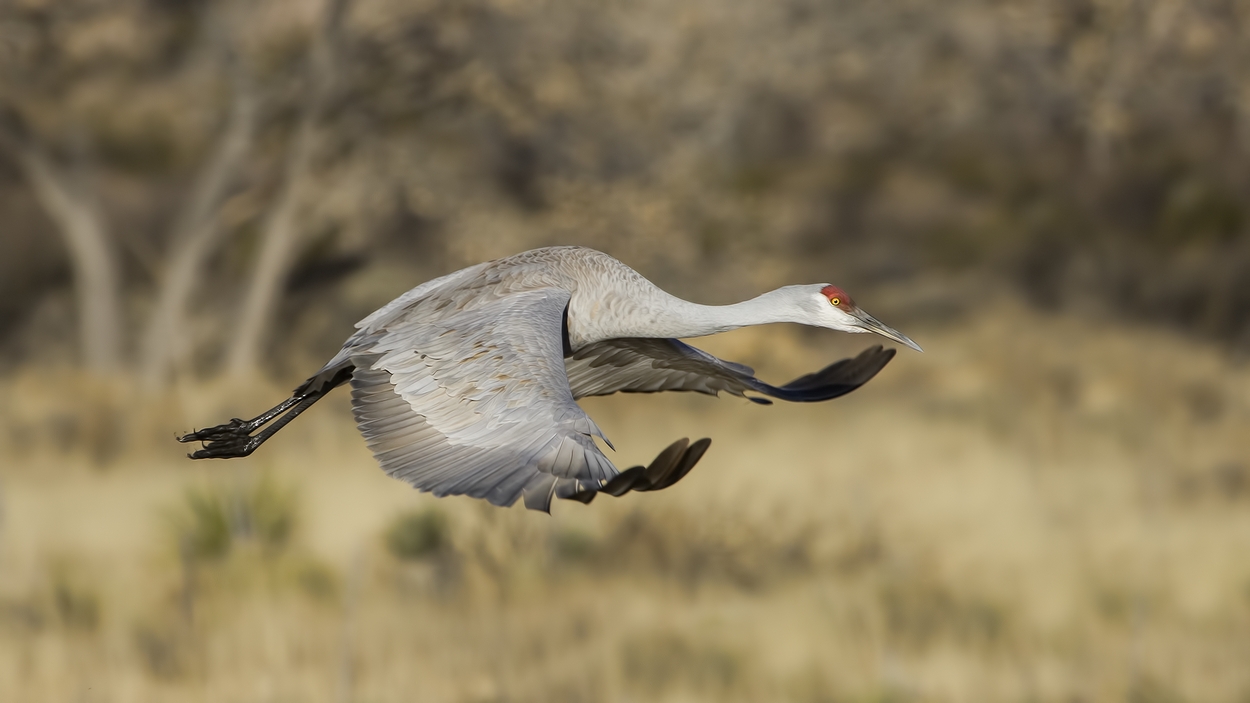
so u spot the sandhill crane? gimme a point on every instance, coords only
(465, 385)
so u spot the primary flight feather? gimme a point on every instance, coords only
(466, 384)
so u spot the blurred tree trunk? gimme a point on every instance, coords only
(280, 231)
(97, 281)
(194, 235)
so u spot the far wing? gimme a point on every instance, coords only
(639, 365)
(475, 402)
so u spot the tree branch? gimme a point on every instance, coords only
(195, 234)
(281, 234)
(73, 208)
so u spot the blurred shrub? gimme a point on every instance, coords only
(571, 546)
(163, 650)
(26, 616)
(1228, 481)
(212, 520)
(1152, 689)
(69, 601)
(77, 607)
(419, 534)
(677, 545)
(656, 662)
(919, 610)
(316, 579)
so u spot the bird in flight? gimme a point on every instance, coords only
(466, 384)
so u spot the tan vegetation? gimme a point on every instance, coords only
(979, 523)
(198, 199)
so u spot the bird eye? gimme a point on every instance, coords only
(835, 301)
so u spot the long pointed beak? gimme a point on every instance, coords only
(872, 324)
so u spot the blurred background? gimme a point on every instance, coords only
(198, 199)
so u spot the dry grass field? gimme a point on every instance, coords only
(1039, 508)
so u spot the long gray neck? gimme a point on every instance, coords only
(663, 315)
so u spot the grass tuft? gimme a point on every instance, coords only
(212, 520)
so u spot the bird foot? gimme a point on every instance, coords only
(233, 439)
(234, 428)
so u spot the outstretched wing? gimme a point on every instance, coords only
(477, 403)
(638, 365)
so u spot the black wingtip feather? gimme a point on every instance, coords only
(837, 379)
(668, 467)
(689, 458)
(664, 464)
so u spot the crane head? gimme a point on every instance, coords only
(841, 313)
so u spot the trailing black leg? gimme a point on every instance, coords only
(237, 426)
(235, 439)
